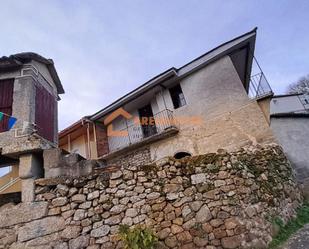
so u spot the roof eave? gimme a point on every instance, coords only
(196, 64)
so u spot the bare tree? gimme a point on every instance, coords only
(300, 86)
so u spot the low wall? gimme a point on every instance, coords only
(218, 200)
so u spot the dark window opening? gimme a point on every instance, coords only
(177, 96)
(147, 121)
(45, 106)
(6, 102)
(182, 154)
(13, 198)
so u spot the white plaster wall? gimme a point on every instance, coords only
(230, 119)
(215, 95)
(286, 104)
(293, 133)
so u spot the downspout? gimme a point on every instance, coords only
(69, 143)
(88, 141)
(95, 138)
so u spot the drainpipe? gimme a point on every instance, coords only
(88, 141)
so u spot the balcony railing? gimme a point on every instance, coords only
(161, 122)
(259, 86)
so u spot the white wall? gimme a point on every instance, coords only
(215, 95)
(286, 104)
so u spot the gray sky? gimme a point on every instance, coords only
(104, 49)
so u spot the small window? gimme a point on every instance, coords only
(177, 96)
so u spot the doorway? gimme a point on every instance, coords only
(147, 121)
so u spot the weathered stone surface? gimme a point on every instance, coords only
(186, 210)
(118, 209)
(172, 188)
(38, 228)
(93, 195)
(116, 175)
(71, 232)
(153, 196)
(79, 198)
(196, 205)
(60, 201)
(200, 241)
(113, 220)
(231, 242)
(203, 215)
(79, 214)
(79, 243)
(198, 178)
(45, 240)
(100, 231)
(131, 212)
(62, 189)
(176, 229)
(164, 233)
(23, 212)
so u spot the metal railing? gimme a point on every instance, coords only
(9, 184)
(259, 86)
(143, 129)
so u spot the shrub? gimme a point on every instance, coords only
(137, 238)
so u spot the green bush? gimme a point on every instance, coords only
(137, 237)
(287, 230)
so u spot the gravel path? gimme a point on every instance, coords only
(299, 240)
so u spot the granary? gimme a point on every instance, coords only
(29, 92)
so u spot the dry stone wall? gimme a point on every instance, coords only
(213, 201)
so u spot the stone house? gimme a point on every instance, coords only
(215, 101)
(29, 92)
(290, 125)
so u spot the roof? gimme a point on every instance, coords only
(286, 95)
(15, 61)
(290, 115)
(78, 124)
(247, 39)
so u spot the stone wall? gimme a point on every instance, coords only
(136, 157)
(213, 201)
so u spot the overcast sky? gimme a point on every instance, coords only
(104, 49)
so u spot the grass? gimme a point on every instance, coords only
(285, 231)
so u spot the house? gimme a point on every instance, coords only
(80, 138)
(290, 125)
(29, 93)
(215, 101)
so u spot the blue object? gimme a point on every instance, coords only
(12, 121)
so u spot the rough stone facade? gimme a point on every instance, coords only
(213, 201)
(136, 157)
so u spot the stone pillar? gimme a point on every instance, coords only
(30, 168)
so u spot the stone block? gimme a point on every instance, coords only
(38, 228)
(22, 213)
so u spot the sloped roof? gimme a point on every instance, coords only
(15, 61)
(247, 39)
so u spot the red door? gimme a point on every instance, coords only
(45, 105)
(6, 101)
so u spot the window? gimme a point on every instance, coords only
(45, 106)
(6, 101)
(177, 96)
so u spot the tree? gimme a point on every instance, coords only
(300, 86)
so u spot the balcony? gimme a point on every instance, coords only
(161, 125)
(259, 86)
